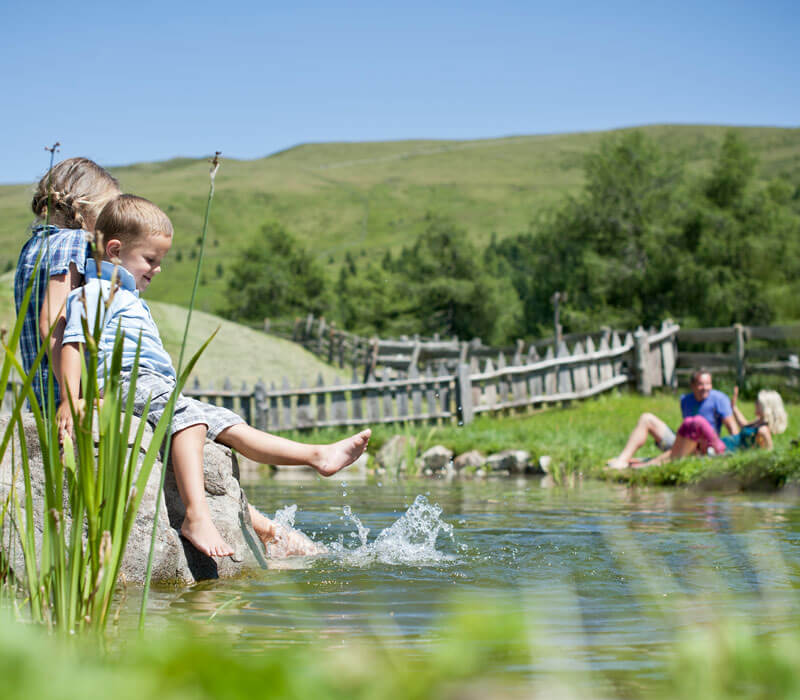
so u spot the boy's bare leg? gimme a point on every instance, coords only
(266, 448)
(187, 462)
(283, 541)
(647, 425)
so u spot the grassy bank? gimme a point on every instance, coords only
(582, 436)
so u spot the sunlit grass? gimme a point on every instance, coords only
(580, 437)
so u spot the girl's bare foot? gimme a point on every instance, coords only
(281, 541)
(203, 534)
(293, 543)
(339, 455)
(617, 463)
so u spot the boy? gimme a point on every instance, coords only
(137, 235)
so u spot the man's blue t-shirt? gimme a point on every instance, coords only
(714, 408)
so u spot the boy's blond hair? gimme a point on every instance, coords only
(129, 217)
(773, 411)
(72, 193)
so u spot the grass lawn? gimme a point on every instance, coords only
(582, 436)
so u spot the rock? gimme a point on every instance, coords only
(512, 461)
(175, 559)
(393, 455)
(544, 463)
(436, 459)
(473, 458)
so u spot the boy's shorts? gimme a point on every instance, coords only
(188, 411)
(667, 441)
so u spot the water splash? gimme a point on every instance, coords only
(411, 539)
(285, 516)
(290, 542)
(362, 531)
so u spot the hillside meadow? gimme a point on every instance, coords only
(365, 198)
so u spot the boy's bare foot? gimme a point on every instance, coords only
(617, 463)
(203, 534)
(282, 541)
(339, 455)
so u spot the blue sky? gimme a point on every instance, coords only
(164, 79)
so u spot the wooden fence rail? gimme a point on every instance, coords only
(437, 394)
(451, 381)
(745, 350)
(367, 355)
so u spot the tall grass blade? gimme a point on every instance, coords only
(170, 409)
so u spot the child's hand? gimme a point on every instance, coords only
(64, 418)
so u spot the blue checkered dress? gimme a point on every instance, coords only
(60, 247)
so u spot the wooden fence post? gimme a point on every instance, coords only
(371, 359)
(308, 328)
(739, 335)
(261, 406)
(464, 394)
(245, 405)
(227, 401)
(641, 350)
(331, 342)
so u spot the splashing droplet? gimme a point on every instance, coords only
(411, 539)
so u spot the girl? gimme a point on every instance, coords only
(66, 203)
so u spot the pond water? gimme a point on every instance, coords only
(609, 575)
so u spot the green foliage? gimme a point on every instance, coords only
(439, 285)
(732, 173)
(733, 659)
(185, 662)
(273, 277)
(644, 241)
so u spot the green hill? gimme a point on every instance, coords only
(238, 353)
(364, 198)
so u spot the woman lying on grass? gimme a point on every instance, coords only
(696, 436)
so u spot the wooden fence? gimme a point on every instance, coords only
(437, 394)
(741, 350)
(370, 355)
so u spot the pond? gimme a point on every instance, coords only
(608, 574)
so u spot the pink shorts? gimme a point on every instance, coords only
(699, 430)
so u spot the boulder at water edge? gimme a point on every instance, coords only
(394, 454)
(436, 459)
(473, 458)
(511, 461)
(175, 559)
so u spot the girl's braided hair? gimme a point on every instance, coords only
(73, 192)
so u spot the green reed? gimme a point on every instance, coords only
(171, 406)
